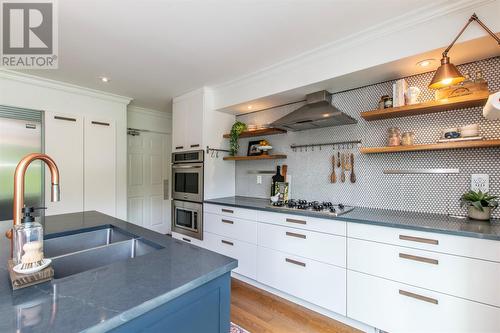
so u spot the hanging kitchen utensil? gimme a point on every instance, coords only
(284, 169)
(342, 163)
(333, 176)
(353, 175)
(338, 159)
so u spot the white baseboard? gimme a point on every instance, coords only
(343, 319)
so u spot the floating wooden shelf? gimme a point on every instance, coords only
(434, 146)
(259, 132)
(254, 158)
(475, 99)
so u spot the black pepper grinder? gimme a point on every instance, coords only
(278, 177)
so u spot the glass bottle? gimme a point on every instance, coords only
(28, 239)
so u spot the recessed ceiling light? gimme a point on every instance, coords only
(249, 107)
(104, 79)
(425, 62)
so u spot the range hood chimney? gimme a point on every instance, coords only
(316, 113)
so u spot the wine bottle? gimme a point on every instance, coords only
(278, 177)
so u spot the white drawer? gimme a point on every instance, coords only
(304, 222)
(330, 249)
(187, 239)
(244, 252)
(241, 213)
(312, 281)
(396, 307)
(240, 229)
(469, 278)
(461, 246)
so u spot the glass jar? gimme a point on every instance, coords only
(408, 139)
(394, 137)
(28, 243)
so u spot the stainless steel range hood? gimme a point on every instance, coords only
(317, 112)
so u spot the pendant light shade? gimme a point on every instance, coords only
(446, 75)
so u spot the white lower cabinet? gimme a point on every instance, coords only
(396, 307)
(232, 227)
(188, 239)
(330, 249)
(310, 280)
(473, 279)
(244, 252)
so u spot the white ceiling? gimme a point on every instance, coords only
(154, 50)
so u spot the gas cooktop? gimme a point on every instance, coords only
(325, 207)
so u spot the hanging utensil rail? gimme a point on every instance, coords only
(215, 151)
(343, 144)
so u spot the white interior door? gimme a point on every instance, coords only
(149, 180)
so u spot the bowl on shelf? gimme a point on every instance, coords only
(264, 149)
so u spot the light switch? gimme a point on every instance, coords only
(259, 179)
(480, 182)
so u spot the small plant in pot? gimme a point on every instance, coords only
(479, 204)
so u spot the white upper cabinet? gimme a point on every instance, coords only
(100, 166)
(64, 143)
(187, 121)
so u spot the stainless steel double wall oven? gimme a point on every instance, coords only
(187, 193)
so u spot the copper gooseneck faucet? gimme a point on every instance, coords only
(19, 184)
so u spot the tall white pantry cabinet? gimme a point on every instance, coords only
(84, 148)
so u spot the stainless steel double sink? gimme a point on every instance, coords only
(82, 250)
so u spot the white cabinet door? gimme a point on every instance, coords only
(244, 252)
(396, 307)
(187, 122)
(310, 280)
(194, 123)
(179, 117)
(100, 166)
(64, 143)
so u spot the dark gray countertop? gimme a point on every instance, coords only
(384, 217)
(104, 298)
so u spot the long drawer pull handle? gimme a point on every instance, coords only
(99, 123)
(417, 258)
(293, 234)
(296, 221)
(227, 242)
(227, 221)
(186, 239)
(179, 147)
(419, 239)
(227, 211)
(64, 118)
(194, 146)
(295, 262)
(419, 297)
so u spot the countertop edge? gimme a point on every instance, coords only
(345, 218)
(153, 303)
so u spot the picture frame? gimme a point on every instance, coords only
(252, 148)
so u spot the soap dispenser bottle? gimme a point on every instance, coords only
(28, 240)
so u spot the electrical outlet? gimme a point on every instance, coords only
(259, 179)
(480, 182)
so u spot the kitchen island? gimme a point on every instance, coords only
(176, 288)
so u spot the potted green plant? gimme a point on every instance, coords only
(236, 130)
(479, 204)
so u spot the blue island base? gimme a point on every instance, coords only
(205, 309)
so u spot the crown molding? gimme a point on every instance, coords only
(409, 20)
(62, 86)
(149, 112)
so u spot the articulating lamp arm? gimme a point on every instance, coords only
(471, 19)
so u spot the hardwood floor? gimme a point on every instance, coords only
(261, 312)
